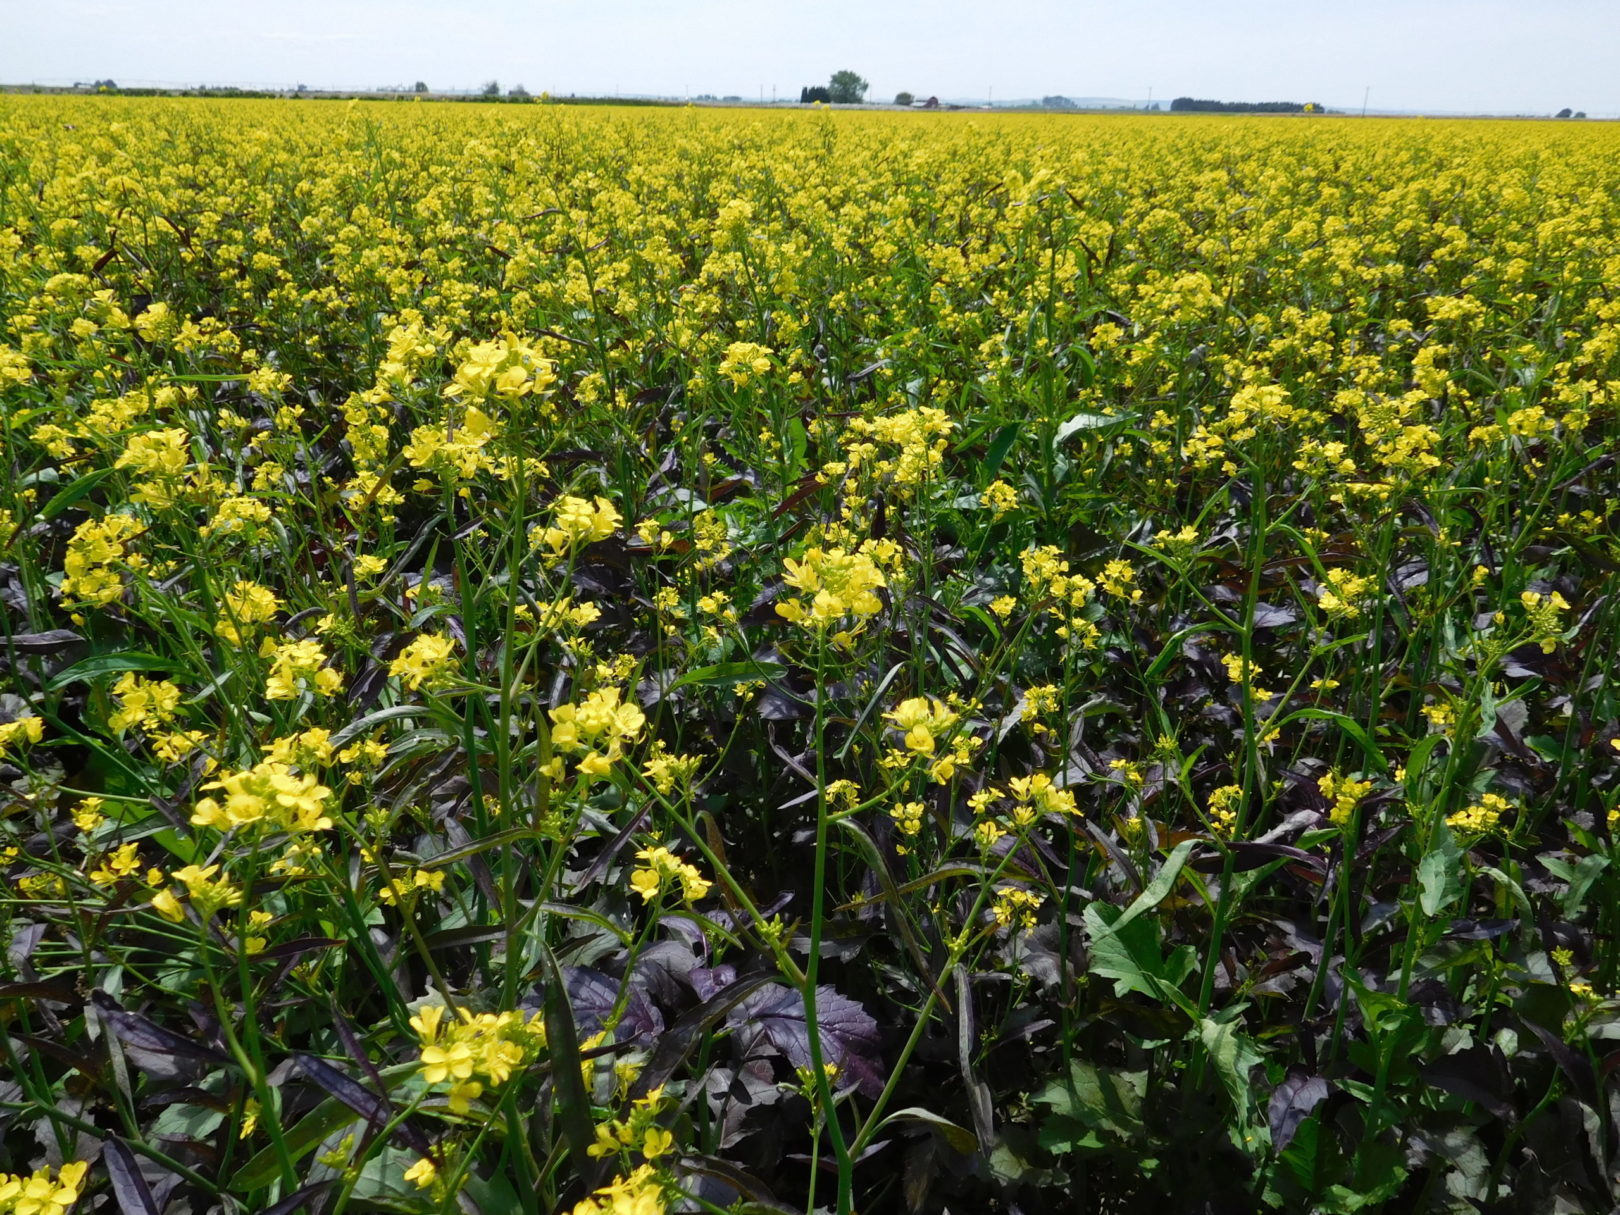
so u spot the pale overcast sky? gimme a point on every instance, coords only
(1500, 56)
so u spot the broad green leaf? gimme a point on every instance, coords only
(1105, 1100)
(98, 665)
(959, 1137)
(1091, 421)
(75, 490)
(998, 449)
(724, 674)
(1159, 887)
(1440, 872)
(1234, 1056)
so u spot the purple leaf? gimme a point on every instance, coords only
(135, 1030)
(849, 1034)
(594, 996)
(1292, 1103)
(130, 1191)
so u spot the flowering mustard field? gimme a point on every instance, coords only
(640, 661)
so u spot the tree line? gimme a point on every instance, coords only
(1204, 106)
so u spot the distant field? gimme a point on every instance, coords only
(562, 659)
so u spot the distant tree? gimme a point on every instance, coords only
(1580, 113)
(1204, 106)
(492, 88)
(1057, 102)
(814, 93)
(517, 92)
(903, 99)
(846, 87)
(419, 87)
(1566, 112)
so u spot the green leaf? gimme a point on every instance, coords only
(959, 1137)
(1103, 1100)
(1580, 881)
(724, 674)
(1130, 955)
(1234, 1057)
(998, 449)
(1440, 872)
(75, 490)
(1349, 725)
(327, 1118)
(1091, 421)
(98, 665)
(1159, 887)
(797, 445)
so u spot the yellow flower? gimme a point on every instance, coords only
(921, 720)
(23, 730)
(299, 666)
(1343, 795)
(422, 1174)
(833, 583)
(268, 792)
(999, 497)
(576, 521)
(39, 1194)
(745, 360)
(443, 1063)
(599, 727)
(423, 661)
(661, 864)
(143, 702)
(245, 604)
(167, 906)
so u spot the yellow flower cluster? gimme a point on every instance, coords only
(268, 793)
(1066, 596)
(639, 1193)
(297, 667)
(999, 498)
(207, 893)
(923, 723)
(1482, 816)
(1545, 612)
(919, 434)
(1245, 672)
(1015, 907)
(1018, 808)
(23, 730)
(833, 584)
(639, 1132)
(468, 1051)
(423, 661)
(661, 866)
(1343, 794)
(1223, 808)
(745, 361)
(576, 522)
(669, 772)
(143, 702)
(245, 605)
(506, 370)
(40, 1193)
(1342, 593)
(94, 554)
(597, 730)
